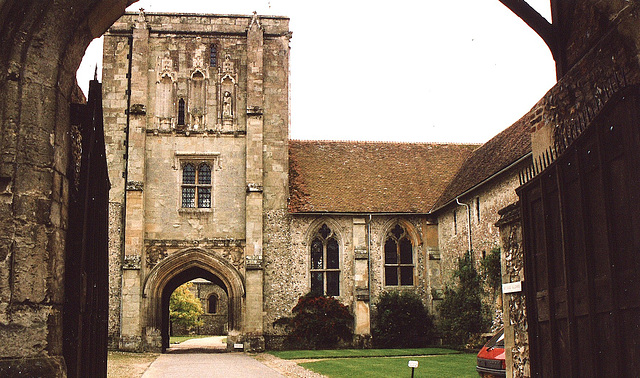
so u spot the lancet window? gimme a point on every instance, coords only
(325, 263)
(398, 258)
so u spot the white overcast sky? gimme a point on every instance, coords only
(403, 70)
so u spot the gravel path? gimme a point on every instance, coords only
(286, 367)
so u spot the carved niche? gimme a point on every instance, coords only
(165, 93)
(227, 95)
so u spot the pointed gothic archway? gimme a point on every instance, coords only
(182, 267)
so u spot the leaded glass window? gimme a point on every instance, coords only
(325, 263)
(196, 186)
(398, 258)
(181, 112)
(213, 56)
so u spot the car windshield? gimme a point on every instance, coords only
(497, 341)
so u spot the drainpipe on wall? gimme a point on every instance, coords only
(369, 259)
(468, 226)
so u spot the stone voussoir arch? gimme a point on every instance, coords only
(410, 228)
(190, 258)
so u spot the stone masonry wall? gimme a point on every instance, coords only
(288, 260)
(453, 235)
(192, 77)
(515, 314)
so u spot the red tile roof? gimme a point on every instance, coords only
(498, 153)
(370, 177)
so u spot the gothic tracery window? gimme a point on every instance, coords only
(196, 185)
(398, 258)
(325, 263)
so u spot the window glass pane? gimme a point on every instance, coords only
(390, 252)
(316, 254)
(324, 231)
(406, 275)
(204, 197)
(406, 253)
(213, 56)
(204, 174)
(391, 276)
(317, 283)
(188, 197)
(397, 231)
(189, 174)
(333, 283)
(181, 112)
(332, 254)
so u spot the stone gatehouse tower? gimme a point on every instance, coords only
(196, 118)
(206, 184)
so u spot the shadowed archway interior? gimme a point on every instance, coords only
(179, 279)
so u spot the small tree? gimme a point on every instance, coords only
(318, 322)
(401, 320)
(184, 307)
(462, 312)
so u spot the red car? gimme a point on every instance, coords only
(491, 357)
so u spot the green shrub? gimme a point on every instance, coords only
(401, 321)
(492, 270)
(462, 312)
(318, 322)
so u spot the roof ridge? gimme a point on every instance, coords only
(384, 142)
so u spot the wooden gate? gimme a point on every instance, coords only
(85, 312)
(581, 222)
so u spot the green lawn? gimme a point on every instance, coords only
(344, 353)
(434, 362)
(450, 365)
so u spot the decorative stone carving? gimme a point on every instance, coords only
(226, 105)
(227, 94)
(361, 254)
(155, 254)
(255, 111)
(254, 262)
(362, 294)
(136, 186)
(253, 187)
(131, 262)
(138, 109)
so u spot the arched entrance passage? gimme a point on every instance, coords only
(182, 267)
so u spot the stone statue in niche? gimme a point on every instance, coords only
(226, 104)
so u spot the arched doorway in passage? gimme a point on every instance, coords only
(183, 267)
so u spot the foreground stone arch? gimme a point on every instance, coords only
(42, 46)
(182, 267)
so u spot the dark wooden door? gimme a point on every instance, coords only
(581, 222)
(85, 312)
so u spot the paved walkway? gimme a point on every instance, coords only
(204, 345)
(196, 365)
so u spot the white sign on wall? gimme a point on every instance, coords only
(513, 287)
